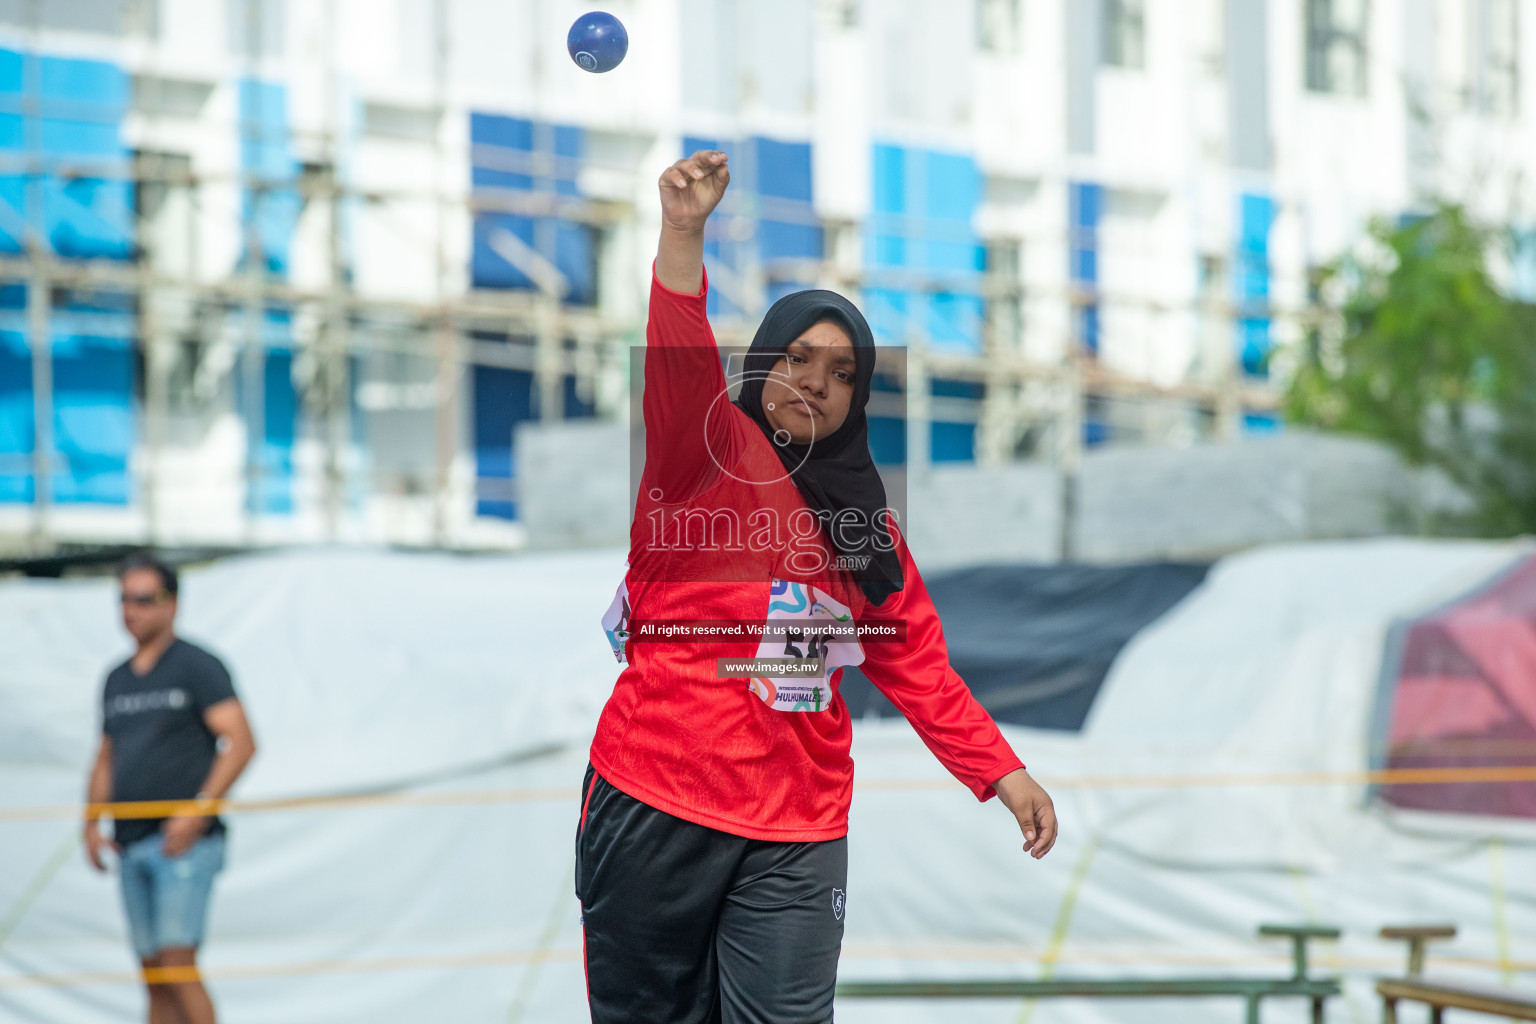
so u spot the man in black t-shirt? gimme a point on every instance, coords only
(172, 730)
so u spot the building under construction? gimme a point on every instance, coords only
(282, 272)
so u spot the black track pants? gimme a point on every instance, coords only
(685, 924)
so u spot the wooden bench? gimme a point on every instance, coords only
(1252, 991)
(1440, 996)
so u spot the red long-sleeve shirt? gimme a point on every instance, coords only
(755, 758)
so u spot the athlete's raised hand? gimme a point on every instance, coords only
(690, 191)
(1032, 806)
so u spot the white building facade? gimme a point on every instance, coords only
(280, 271)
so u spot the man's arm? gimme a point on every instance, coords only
(237, 746)
(98, 791)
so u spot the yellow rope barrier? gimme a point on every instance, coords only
(556, 794)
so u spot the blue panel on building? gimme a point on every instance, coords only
(940, 387)
(576, 407)
(279, 418)
(953, 188)
(1085, 201)
(507, 132)
(64, 116)
(93, 411)
(771, 191)
(272, 493)
(1085, 266)
(955, 321)
(270, 207)
(782, 169)
(952, 442)
(780, 239)
(271, 203)
(1086, 322)
(12, 71)
(1256, 216)
(1096, 429)
(65, 113)
(16, 427)
(890, 184)
(516, 154)
(1261, 423)
(923, 255)
(888, 440)
(503, 398)
(788, 228)
(1254, 345)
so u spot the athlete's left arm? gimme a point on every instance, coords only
(916, 676)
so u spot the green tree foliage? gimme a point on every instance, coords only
(1421, 350)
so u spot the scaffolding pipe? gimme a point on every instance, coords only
(446, 432)
(253, 358)
(332, 361)
(39, 301)
(157, 350)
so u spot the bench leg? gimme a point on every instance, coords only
(1253, 1010)
(1317, 1010)
(1437, 1015)
(1388, 1011)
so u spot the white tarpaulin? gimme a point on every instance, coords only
(463, 690)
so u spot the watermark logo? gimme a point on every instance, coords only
(856, 536)
(764, 518)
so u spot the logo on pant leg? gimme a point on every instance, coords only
(837, 903)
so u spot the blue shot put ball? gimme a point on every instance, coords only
(597, 42)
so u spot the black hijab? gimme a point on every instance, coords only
(835, 472)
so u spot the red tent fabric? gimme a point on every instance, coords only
(1464, 694)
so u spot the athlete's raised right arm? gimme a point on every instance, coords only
(689, 433)
(690, 191)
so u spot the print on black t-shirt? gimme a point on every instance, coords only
(161, 748)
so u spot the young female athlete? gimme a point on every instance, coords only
(711, 857)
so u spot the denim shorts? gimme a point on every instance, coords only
(166, 898)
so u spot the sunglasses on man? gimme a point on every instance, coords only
(144, 600)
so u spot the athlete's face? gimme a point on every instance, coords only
(808, 394)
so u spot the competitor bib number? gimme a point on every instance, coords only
(792, 609)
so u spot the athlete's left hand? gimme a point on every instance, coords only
(1032, 805)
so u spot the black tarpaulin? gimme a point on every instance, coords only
(1035, 642)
